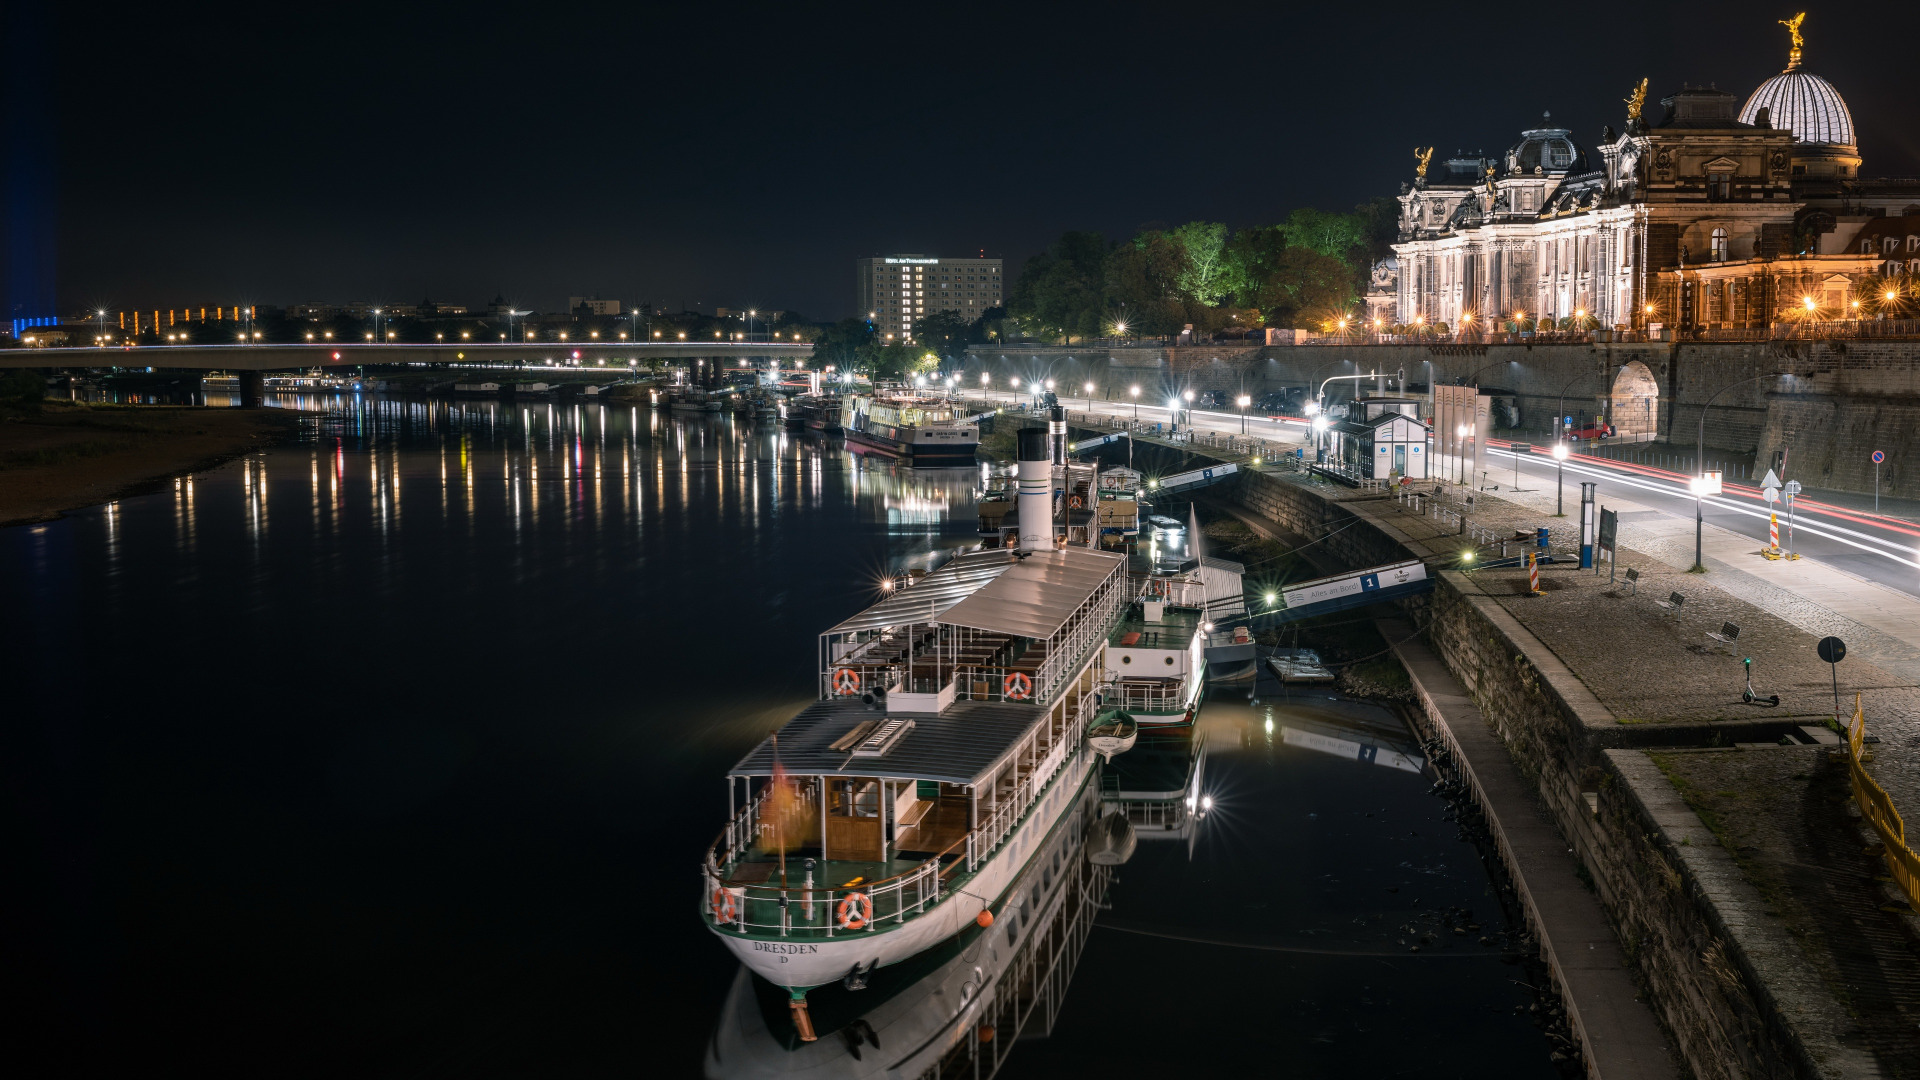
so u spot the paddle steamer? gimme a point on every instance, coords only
(948, 738)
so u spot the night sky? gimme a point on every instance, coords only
(744, 155)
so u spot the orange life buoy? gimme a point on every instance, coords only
(855, 911)
(846, 682)
(1017, 686)
(723, 909)
(1075, 502)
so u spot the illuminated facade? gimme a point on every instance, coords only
(1720, 216)
(898, 290)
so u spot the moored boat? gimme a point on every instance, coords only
(1113, 732)
(949, 735)
(928, 430)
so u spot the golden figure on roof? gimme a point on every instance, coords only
(1793, 27)
(1637, 101)
(1422, 156)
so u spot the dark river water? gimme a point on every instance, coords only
(393, 752)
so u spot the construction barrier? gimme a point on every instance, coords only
(1878, 809)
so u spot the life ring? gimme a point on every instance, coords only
(1074, 502)
(1017, 686)
(723, 909)
(846, 682)
(855, 911)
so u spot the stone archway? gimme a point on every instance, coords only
(1633, 406)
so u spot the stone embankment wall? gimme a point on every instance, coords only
(1845, 399)
(1663, 888)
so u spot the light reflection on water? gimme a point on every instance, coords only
(402, 740)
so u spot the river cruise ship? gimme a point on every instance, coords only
(948, 738)
(929, 430)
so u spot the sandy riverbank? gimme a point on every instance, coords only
(69, 456)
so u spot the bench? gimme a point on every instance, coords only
(1673, 603)
(1633, 582)
(1728, 634)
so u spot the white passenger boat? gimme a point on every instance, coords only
(949, 735)
(929, 430)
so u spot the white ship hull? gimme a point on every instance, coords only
(800, 965)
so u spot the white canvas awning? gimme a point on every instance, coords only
(994, 591)
(1036, 596)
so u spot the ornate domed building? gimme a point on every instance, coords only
(1809, 106)
(1715, 217)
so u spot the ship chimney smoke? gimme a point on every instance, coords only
(1035, 504)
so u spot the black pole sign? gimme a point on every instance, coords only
(1833, 650)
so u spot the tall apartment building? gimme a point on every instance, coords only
(900, 290)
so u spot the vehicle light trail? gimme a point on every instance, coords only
(1872, 544)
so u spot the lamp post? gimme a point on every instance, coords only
(1134, 392)
(1699, 482)
(1189, 396)
(1089, 389)
(1559, 472)
(1243, 401)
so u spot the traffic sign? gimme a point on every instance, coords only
(1792, 488)
(1832, 649)
(1879, 456)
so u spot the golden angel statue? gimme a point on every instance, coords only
(1793, 27)
(1637, 101)
(1422, 156)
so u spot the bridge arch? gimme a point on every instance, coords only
(1633, 406)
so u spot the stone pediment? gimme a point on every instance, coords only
(1722, 164)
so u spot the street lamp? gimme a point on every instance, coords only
(1089, 389)
(1134, 392)
(1243, 401)
(1559, 471)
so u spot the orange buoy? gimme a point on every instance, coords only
(985, 918)
(986, 1033)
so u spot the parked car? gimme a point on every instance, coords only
(1593, 430)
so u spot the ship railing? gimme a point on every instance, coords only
(806, 908)
(1148, 698)
(803, 908)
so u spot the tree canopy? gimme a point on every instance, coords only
(1301, 272)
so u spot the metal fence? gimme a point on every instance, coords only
(1877, 807)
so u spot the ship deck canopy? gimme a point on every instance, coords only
(965, 744)
(998, 592)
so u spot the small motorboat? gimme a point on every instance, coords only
(1299, 666)
(1113, 734)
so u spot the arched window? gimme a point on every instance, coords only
(1720, 245)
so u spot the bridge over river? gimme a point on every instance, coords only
(253, 362)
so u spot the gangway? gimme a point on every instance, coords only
(1198, 478)
(1355, 588)
(1088, 444)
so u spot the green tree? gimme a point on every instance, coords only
(842, 345)
(1302, 288)
(1205, 243)
(1061, 291)
(1346, 237)
(1143, 283)
(946, 334)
